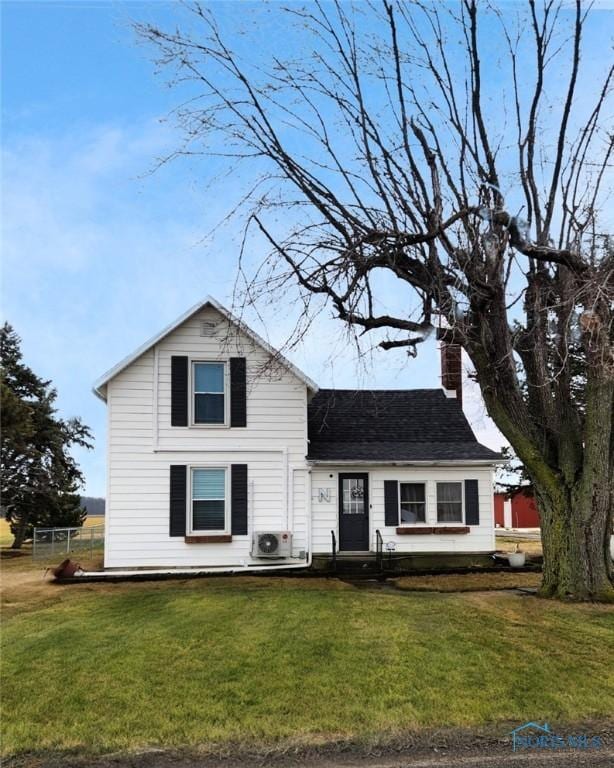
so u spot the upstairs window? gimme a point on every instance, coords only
(209, 393)
(208, 500)
(413, 503)
(449, 502)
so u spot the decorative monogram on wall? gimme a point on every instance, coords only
(324, 495)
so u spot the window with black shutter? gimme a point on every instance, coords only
(238, 498)
(238, 392)
(412, 503)
(391, 502)
(472, 503)
(178, 499)
(179, 391)
(209, 393)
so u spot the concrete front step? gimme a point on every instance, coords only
(346, 564)
(401, 562)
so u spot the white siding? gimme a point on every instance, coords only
(281, 488)
(325, 514)
(143, 445)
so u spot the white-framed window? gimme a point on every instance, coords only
(209, 500)
(412, 503)
(209, 404)
(450, 502)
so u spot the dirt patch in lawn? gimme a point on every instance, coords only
(26, 584)
(486, 746)
(468, 582)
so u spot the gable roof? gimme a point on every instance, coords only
(101, 383)
(385, 426)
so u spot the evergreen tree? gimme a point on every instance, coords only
(40, 478)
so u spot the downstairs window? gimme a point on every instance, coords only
(449, 502)
(208, 504)
(412, 502)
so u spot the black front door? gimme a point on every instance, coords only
(354, 512)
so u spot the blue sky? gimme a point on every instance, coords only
(98, 253)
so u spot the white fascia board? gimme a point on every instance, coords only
(100, 384)
(414, 463)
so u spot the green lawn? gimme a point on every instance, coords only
(221, 661)
(530, 546)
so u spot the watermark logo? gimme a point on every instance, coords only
(535, 736)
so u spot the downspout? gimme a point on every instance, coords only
(196, 571)
(289, 566)
(286, 486)
(235, 569)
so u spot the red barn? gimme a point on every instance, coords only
(517, 510)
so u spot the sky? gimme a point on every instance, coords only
(99, 250)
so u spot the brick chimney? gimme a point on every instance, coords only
(451, 363)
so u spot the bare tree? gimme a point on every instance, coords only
(452, 147)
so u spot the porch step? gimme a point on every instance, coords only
(350, 567)
(404, 562)
(354, 563)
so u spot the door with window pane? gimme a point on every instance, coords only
(354, 512)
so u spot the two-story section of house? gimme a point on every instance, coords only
(207, 438)
(222, 454)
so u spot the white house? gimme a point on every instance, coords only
(215, 439)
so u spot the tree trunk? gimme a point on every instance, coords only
(577, 514)
(20, 531)
(576, 528)
(574, 488)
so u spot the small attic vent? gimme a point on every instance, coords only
(207, 328)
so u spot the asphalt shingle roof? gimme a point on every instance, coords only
(390, 425)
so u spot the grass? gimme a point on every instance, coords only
(468, 582)
(530, 546)
(222, 661)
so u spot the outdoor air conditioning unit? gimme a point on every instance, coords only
(272, 544)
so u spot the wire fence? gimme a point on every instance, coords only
(49, 542)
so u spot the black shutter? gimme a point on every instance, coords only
(472, 503)
(391, 502)
(238, 499)
(179, 391)
(238, 393)
(178, 499)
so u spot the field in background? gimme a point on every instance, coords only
(6, 537)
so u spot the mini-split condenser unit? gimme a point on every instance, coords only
(272, 544)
